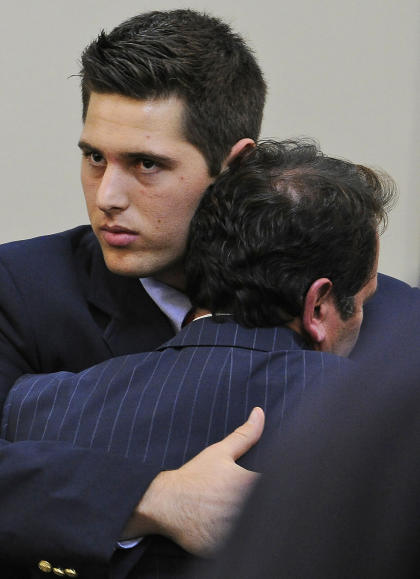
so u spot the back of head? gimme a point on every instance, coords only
(280, 218)
(192, 56)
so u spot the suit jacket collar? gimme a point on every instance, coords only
(207, 332)
(130, 320)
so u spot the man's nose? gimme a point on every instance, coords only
(113, 193)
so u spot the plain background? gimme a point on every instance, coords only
(344, 72)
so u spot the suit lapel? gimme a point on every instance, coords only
(129, 319)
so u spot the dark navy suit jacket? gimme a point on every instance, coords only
(61, 309)
(170, 404)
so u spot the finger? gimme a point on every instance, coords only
(245, 436)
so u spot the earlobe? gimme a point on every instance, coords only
(315, 312)
(238, 149)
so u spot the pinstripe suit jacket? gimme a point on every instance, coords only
(169, 404)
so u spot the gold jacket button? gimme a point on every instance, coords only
(70, 572)
(58, 571)
(45, 566)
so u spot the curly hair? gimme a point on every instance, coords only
(280, 217)
(189, 55)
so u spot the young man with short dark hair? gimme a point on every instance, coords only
(67, 301)
(169, 99)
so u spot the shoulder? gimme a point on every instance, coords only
(392, 299)
(48, 270)
(47, 246)
(391, 288)
(49, 259)
(389, 316)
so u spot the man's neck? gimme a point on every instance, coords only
(173, 277)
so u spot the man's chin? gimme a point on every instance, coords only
(124, 267)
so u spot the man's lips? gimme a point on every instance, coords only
(118, 236)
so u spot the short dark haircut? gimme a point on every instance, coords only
(279, 218)
(189, 55)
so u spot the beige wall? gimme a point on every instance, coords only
(345, 72)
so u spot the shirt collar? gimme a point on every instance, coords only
(173, 303)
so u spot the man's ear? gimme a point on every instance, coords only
(317, 311)
(238, 149)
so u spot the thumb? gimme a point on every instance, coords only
(245, 436)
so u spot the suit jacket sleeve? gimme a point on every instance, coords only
(65, 504)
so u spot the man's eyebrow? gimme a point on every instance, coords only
(133, 155)
(84, 146)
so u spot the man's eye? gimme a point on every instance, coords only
(93, 158)
(96, 158)
(148, 164)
